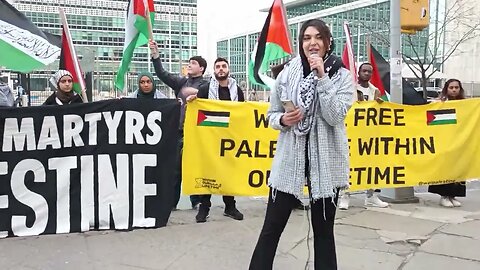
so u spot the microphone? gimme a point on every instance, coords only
(315, 71)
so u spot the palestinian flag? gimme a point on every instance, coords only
(213, 119)
(376, 79)
(23, 47)
(381, 79)
(441, 117)
(68, 57)
(137, 33)
(273, 43)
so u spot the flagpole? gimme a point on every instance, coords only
(149, 62)
(150, 34)
(351, 57)
(368, 49)
(358, 44)
(247, 46)
(74, 54)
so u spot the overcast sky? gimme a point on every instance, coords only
(223, 18)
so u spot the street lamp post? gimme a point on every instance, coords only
(396, 195)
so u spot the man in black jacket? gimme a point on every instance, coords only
(183, 87)
(221, 87)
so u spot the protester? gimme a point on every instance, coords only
(366, 91)
(312, 146)
(62, 81)
(364, 86)
(146, 88)
(183, 87)
(220, 87)
(6, 95)
(452, 90)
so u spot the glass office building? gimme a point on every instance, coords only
(98, 30)
(368, 20)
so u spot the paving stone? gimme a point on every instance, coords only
(394, 223)
(454, 246)
(422, 261)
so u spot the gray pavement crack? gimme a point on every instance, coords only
(449, 256)
(417, 248)
(136, 266)
(297, 244)
(459, 235)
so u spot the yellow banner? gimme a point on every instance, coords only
(229, 147)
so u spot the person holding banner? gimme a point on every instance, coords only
(220, 87)
(366, 91)
(146, 88)
(183, 87)
(62, 81)
(312, 148)
(452, 90)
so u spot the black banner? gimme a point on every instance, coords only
(102, 165)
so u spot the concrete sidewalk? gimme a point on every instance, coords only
(408, 237)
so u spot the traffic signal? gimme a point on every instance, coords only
(414, 15)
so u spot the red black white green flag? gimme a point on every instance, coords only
(376, 79)
(381, 79)
(273, 43)
(137, 33)
(69, 60)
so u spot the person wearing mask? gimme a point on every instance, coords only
(366, 91)
(452, 90)
(183, 87)
(62, 81)
(220, 87)
(146, 88)
(312, 148)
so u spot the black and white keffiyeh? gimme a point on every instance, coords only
(232, 87)
(55, 79)
(307, 96)
(326, 162)
(306, 100)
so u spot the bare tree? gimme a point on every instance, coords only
(426, 55)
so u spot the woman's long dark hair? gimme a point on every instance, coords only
(444, 95)
(327, 39)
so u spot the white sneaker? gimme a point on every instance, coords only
(375, 201)
(445, 202)
(455, 202)
(343, 202)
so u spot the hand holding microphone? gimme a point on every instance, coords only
(316, 64)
